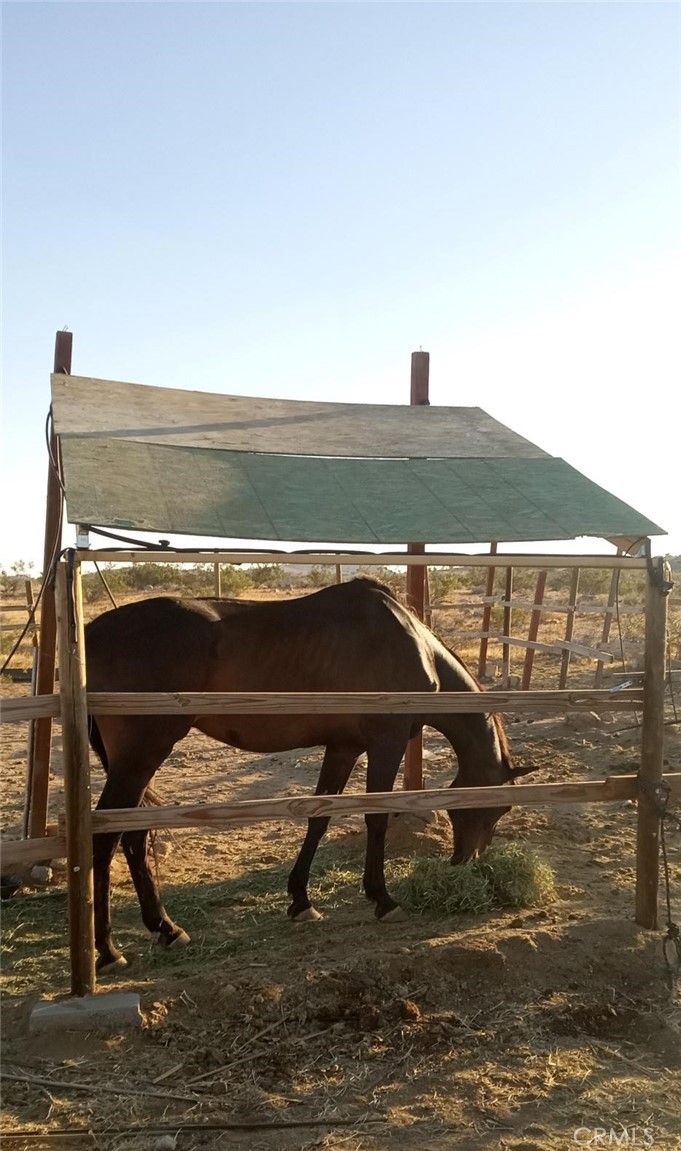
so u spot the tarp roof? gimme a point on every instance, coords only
(234, 467)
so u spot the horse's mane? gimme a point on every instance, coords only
(495, 716)
(370, 582)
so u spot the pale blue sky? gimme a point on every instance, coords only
(288, 199)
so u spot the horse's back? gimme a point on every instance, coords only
(348, 637)
(159, 644)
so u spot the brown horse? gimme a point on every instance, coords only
(354, 636)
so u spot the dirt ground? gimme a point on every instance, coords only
(533, 1029)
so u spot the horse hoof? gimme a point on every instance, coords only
(309, 915)
(179, 939)
(395, 915)
(112, 965)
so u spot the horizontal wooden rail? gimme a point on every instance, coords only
(15, 852)
(243, 812)
(28, 707)
(305, 807)
(361, 559)
(556, 648)
(350, 703)
(327, 703)
(544, 609)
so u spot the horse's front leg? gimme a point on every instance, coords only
(154, 914)
(383, 765)
(336, 770)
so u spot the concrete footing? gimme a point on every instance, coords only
(106, 1012)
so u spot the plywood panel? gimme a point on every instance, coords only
(94, 408)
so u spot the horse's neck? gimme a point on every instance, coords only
(473, 735)
(452, 672)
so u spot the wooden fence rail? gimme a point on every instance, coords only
(328, 703)
(244, 812)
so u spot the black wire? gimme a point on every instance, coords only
(47, 578)
(109, 592)
(54, 461)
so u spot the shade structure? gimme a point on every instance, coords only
(166, 460)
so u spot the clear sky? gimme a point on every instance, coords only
(288, 199)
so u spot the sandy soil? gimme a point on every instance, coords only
(509, 1030)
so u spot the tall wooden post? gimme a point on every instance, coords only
(506, 630)
(413, 762)
(652, 745)
(39, 761)
(486, 615)
(35, 648)
(77, 798)
(607, 622)
(533, 632)
(569, 627)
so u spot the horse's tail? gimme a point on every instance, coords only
(151, 797)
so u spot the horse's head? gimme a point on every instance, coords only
(474, 826)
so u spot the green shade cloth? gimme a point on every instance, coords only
(127, 484)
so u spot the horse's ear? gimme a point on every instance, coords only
(517, 772)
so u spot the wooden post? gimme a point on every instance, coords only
(218, 581)
(607, 622)
(652, 746)
(413, 760)
(486, 617)
(77, 799)
(339, 573)
(506, 630)
(427, 606)
(535, 620)
(569, 627)
(39, 764)
(28, 587)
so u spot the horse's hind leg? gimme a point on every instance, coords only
(339, 761)
(382, 768)
(154, 916)
(117, 792)
(129, 772)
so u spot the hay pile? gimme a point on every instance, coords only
(504, 877)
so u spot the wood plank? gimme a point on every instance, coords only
(15, 852)
(92, 408)
(28, 707)
(349, 703)
(340, 703)
(555, 648)
(547, 609)
(244, 812)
